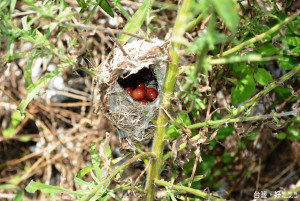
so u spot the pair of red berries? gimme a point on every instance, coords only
(141, 93)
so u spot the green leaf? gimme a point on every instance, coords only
(48, 189)
(136, 21)
(251, 136)
(283, 92)
(19, 196)
(84, 183)
(294, 41)
(281, 136)
(224, 132)
(115, 196)
(263, 77)
(106, 7)
(90, 14)
(95, 161)
(8, 132)
(4, 4)
(27, 72)
(25, 139)
(243, 89)
(207, 164)
(34, 88)
(226, 158)
(63, 5)
(293, 27)
(296, 50)
(213, 143)
(287, 62)
(210, 39)
(172, 132)
(88, 71)
(182, 119)
(239, 69)
(267, 50)
(227, 11)
(107, 151)
(20, 193)
(294, 133)
(14, 179)
(81, 3)
(16, 118)
(84, 171)
(12, 6)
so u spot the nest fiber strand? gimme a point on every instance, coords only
(123, 66)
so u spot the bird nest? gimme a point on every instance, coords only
(137, 61)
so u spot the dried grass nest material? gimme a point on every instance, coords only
(137, 60)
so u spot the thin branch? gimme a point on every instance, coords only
(241, 119)
(261, 36)
(106, 30)
(269, 88)
(186, 189)
(196, 21)
(225, 121)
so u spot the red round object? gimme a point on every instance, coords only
(151, 94)
(140, 84)
(144, 101)
(139, 94)
(129, 90)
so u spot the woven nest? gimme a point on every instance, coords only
(138, 60)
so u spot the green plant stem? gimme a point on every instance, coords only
(186, 189)
(123, 11)
(227, 119)
(196, 21)
(241, 119)
(245, 58)
(265, 91)
(170, 80)
(124, 188)
(259, 37)
(165, 5)
(115, 172)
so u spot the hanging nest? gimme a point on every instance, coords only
(138, 61)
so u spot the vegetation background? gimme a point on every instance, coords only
(233, 122)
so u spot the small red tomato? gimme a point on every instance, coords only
(140, 84)
(129, 90)
(139, 94)
(144, 101)
(151, 94)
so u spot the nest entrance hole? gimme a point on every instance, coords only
(145, 75)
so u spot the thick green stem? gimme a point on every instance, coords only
(186, 189)
(114, 173)
(162, 120)
(259, 37)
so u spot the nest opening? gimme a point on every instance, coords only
(145, 75)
